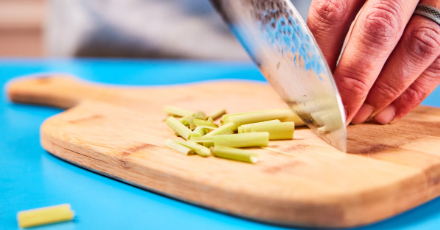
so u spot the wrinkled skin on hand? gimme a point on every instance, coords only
(391, 61)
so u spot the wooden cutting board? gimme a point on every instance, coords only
(119, 132)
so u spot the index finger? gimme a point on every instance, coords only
(375, 35)
(329, 21)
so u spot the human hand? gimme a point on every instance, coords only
(391, 62)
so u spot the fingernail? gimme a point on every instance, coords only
(363, 114)
(386, 115)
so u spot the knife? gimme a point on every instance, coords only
(281, 45)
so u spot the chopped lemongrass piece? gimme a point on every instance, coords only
(198, 132)
(295, 118)
(226, 116)
(185, 123)
(225, 129)
(178, 147)
(47, 215)
(200, 115)
(285, 115)
(184, 120)
(205, 124)
(199, 149)
(188, 122)
(326, 118)
(205, 140)
(277, 131)
(242, 140)
(210, 119)
(268, 115)
(216, 115)
(178, 127)
(235, 154)
(201, 139)
(192, 126)
(172, 110)
(246, 128)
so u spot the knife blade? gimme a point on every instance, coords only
(281, 45)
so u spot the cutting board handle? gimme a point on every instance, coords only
(57, 90)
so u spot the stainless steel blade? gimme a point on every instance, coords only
(284, 49)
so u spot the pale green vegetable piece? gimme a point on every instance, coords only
(175, 111)
(242, 140)
(199, 149)
(205, 124)
(284, 115)
(188, 121)
(192, 126)
(293, 117)
(225, 129)
(198, 132)
(205, 140)
(200, 115)
(225, 118)
(210, 119)
(217, 114)
(201, 139)
(277, 131)
(178, 147)
(184, 120)
(243, 119)
(235, 154)
(178, 127)
(246, 128)
(326, 117)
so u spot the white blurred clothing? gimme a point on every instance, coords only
(142, 28)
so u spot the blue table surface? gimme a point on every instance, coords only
(31, 177)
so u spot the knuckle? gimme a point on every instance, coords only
(383, 22)
(424, 42)
(435, 67)
(415, 94)
(388, 92)
(352, 87)
(431, 74)
(329, 12)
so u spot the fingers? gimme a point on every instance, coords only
(416, 51)
(413, 96)
(375, 35)
(329, 21)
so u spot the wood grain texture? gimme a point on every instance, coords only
(118, 131)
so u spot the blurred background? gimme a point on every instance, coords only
(176, 29)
